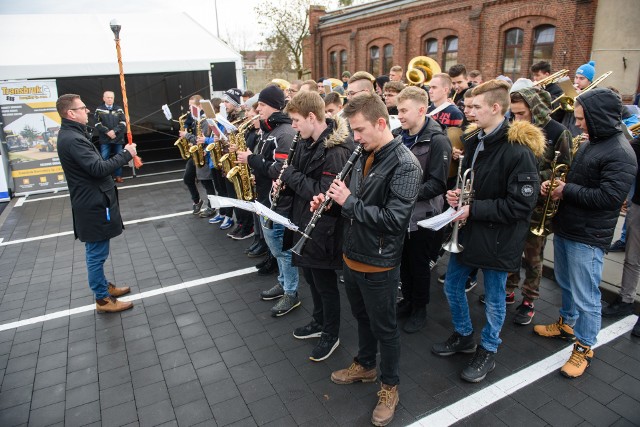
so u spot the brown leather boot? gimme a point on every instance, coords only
(388, 398)
(112, 305)
(117, 292)
(354, 373)
(578, 362)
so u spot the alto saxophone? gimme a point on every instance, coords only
(240, 174)
(182, 143)
(196, 150)
(215, 151)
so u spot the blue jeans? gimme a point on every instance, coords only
(110, 150)
(578, 270)
(372, 297)
(288, 276)
(96, 254)
(495, 305)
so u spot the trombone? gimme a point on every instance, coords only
(567, 102)
(553, 78)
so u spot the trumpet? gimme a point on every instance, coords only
(465, 185)
(306, 234)
(558, 171)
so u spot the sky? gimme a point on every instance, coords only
(237, 18)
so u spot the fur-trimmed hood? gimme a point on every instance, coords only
(339, 132)
(524, 133)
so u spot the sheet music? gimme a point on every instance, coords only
(218, 202)
(437, 222)
(226, 123)
(275, 217)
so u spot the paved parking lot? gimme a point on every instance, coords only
(200, 347)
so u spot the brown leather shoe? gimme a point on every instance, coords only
(112, 305)
(119, 180)
(388, 398)
(354, 373)
(117, 292)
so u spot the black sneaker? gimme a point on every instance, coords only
(197, 207)
(287, 303)
(617, 308)
(324, 348)
(481, 364)
(207, 212)
(471, 283)
(256, 242)
(270, 267)
(617, 246)
(263, 262)
(456, 343)
(260, 250)
(244, 233)
(274, 293)
(311, 330)
(509, 298)
(524, 313)
(235, 230)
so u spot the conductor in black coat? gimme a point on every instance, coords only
(94, 197)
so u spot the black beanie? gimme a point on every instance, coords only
(233, 96)
(273, 96)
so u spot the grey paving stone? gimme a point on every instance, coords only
(15, 416)
(146, 376)
(156, 414)
(50, 378)
(230, 411)
(22, 349)
(556, 414)
(113, 361)
(48, 396)
(164, 332)
(82, 415)
(193, 413)
(21, 363)
(626, 407)
(53, 361)
(205, 357)
(115, 396)
(82, 361)
(47, 415)
(120, 415)
(180, 375)
(18, 379)
(255, 390)
(174, 359)
(15, 396)
(143, 360)
(595, 413)
(221, 391)
(81, 395)
(237, 356)
(185, 393)
(140, 346)
(627, 384)
(82, 377)
(196, 344)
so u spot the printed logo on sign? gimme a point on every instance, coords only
(527, 190)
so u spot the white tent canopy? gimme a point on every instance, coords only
(40, 46)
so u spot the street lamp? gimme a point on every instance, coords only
(115, 27)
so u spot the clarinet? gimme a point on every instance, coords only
(306, 234)
(279, 184)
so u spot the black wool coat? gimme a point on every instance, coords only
(94, 197)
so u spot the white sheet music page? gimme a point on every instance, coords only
(437, 222)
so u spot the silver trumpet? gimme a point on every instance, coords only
(465, 184)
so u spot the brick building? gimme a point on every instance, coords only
(494, 36)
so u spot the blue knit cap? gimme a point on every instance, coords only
(587, 70)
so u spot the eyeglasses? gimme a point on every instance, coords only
(84, 107)
(351, 92)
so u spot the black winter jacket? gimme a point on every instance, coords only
(380, 205)
(312, 170)
(266, 161)
(94, 197)
(107, 120)
(601, 174)
(506, 187)
(433, 151)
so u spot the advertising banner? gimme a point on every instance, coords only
(30, 125)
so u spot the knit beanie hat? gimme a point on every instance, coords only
(588, 70)
(273, 96)
(232, 96)
(521, 84)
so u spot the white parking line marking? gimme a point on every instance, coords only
(20, 202)
(514, 382)
(66, 233)
(135, 297)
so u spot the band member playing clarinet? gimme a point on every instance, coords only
(503, 187)
(322, 150)
(376, 208)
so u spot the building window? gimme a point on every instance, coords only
(431, 49)
(512, 52)
(343, 61)
(543, 39)
(261, 63)
(388, 59)
(374, 60)
(333, 64)
(450, 54)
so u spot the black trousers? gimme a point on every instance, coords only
(189, 179)
(415, 274)
(373, 304)
(221, 189)
(208, 186)
(326, 298)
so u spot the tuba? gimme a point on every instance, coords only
(465, 184)
(558, 171)
(196, 150)
(421, 70)
(281, 83)
(182, 143)
(240, 174)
